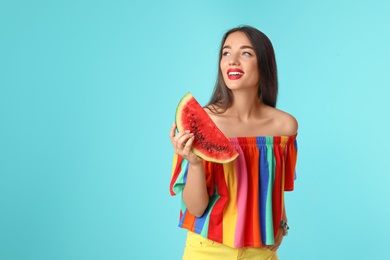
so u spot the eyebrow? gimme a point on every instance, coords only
(241, 47)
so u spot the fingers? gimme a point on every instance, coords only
(177, 141)
(172, 132)
(188, 143)
(273, 248)
(182, 144)
(178, 136)
(181, 139)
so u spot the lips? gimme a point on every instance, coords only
(234, 74)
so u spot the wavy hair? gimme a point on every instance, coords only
(222, 96)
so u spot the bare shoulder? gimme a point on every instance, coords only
(213, 111)
(285, 124)
(268, 121)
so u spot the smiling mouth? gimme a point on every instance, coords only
(234, 74)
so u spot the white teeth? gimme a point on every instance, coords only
(235, 73)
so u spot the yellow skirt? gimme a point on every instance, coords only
(200, 248)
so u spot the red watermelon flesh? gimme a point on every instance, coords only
(210, 143)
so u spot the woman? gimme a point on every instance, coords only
(236, 210)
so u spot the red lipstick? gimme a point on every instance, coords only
(234, 74)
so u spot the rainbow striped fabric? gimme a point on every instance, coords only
(246, 195)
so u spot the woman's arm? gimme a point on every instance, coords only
(280, 234)
(195, 194)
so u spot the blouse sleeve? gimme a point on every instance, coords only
(179, 175)
(290, 163)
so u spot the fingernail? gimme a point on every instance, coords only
(187, 131)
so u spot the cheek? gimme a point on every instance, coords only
(256, 70)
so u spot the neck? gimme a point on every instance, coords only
(245, 105)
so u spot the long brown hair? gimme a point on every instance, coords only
(222, 96)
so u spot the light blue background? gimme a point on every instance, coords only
(88, 91)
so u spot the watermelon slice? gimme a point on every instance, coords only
(210, 143)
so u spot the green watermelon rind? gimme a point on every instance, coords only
(226, 159)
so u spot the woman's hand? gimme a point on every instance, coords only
(278, 241)
(182, 144)
(195, 194)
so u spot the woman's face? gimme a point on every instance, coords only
(239, 62)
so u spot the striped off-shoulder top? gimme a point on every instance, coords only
(246, 195)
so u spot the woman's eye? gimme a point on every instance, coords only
(225, 53)
(246, 53)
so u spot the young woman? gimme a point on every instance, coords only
(236, 210)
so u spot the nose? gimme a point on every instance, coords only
(234, 60)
